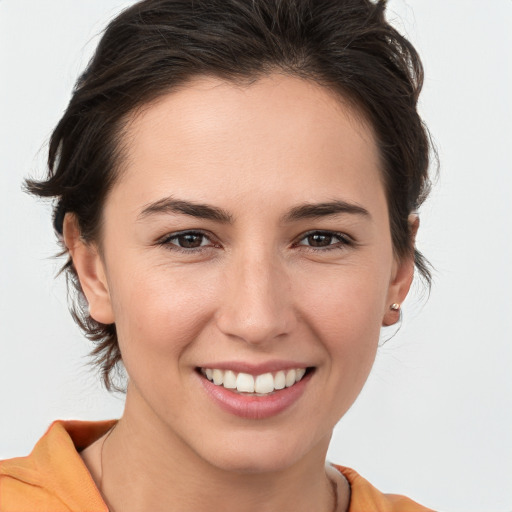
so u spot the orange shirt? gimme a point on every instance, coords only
(53, 478)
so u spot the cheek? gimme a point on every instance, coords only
(344, 308)
(159, 310)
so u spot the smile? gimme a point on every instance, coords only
(257, 385)
(255, 393)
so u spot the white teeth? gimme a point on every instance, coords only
(229, 380)
(264, 383)
(290, 378)
(218, 377)
(260, 384)
(245, 383)
(280, 380)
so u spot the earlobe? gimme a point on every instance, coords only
(398, 290)
(402, 278)
(90, 269)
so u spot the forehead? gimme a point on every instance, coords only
(280, 132)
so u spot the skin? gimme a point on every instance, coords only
(258, 291)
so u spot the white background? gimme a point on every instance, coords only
(435, 419)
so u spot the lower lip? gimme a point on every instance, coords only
(255, 407)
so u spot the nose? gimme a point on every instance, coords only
(256, 304)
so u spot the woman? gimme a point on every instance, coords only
(236, 185)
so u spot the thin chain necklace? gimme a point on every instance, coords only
(334, 486)
(110, 509)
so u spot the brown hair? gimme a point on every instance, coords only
(156, 46)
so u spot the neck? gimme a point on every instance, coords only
(146, 467)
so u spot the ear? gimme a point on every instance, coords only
(403, 273)
(90, 269)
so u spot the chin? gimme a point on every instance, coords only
(252, 463)
(264, 452)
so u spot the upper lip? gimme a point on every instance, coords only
(255, 368)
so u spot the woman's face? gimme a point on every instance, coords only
(248, 234)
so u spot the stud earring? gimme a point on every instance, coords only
(395, 307)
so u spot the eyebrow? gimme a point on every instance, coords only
(317, 210)
(172, 206)
(169, 205)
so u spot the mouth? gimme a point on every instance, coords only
(261, 385)
(254, 393)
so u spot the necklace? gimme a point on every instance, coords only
(101, 467)
(334, 486)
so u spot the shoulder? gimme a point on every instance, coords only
(53, 477)
(365, 497)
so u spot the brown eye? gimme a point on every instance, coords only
(325, 241)
(319, 240)
(189, 240)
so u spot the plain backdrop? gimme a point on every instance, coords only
(435, 419)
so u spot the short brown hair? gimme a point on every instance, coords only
(156, 46)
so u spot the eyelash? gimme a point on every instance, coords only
(344, 239)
